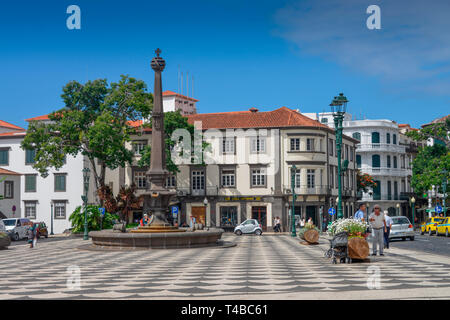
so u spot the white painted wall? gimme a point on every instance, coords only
(45, 193)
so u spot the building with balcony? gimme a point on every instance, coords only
(247, 170)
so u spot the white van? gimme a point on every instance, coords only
(17, 228)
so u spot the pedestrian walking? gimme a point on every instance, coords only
(359, 215)
(278, 224)
(388, 229)
(32, 235)
(378, 224)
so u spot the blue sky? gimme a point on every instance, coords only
(242, 54)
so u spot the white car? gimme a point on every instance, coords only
(17, 228)
(249, 226)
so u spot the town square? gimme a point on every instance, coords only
(179, 171)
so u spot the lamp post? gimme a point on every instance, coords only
(51, 218)
(413, 201)
(205, 202)
(368, 211)
(86, 176)
(398, 208)
(444, 190)
(294, 197)
(338, 107)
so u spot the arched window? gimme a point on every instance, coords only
(357, 136)
(375, 161)
(375, 137)
(388, 138)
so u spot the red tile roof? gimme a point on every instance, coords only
(13, 134)
(282, 117)
(8, 172)
(169, 93)
(40, 118)
(8, 125)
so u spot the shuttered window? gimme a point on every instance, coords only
(60, 182)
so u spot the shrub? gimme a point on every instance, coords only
(94, 219)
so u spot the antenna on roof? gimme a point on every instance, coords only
(187, 83)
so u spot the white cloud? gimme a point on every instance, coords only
(412, 48)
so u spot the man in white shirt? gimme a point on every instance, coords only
(378, 224)
(388, 229)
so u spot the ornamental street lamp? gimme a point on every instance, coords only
(294, 197)
(338, 107)
(205, 202)
(86, 176)
(398, 208)
(413, 202)
(51, 219)
(444, 189)
(368, 211)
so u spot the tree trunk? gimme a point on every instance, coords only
(358, 248)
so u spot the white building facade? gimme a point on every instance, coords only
(59, 192)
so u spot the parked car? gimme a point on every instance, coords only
(444, 227)
(42, 227)
(249, 226)
(2, 226)
(401, 228)
(430, 225)
(17, 228)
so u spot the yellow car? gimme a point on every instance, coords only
(430, 225)
(444, 228)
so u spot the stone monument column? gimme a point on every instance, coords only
(157, 197)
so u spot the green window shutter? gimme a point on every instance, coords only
(30, 155)
(30, 183)
(375, 161)
(375, 137)
(4, 157)
(60, 183)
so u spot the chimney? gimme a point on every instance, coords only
(253, 110)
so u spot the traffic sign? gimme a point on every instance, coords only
(175, 212)
(331, 211)
(438, 209)
(102, 211)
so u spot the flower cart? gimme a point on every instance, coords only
(357, 245)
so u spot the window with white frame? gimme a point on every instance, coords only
(295, 144)
(60, 209)
(258, 177)
(297, 177)
(311, 175)
(258, 145)
(228, 145)
(228, 178)
(138, 147)
(309, 144)
(198, 180)
(30, 209)
(171, 182)
(9, 190)
(140, 179)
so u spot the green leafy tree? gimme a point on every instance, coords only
(428, 167)
(94, 122)
(94, 219)
(172, 121)
(438, 131)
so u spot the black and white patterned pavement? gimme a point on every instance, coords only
(267, 266)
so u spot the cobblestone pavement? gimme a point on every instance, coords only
(264, 267)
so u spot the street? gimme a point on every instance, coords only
(429, 244)
(266, 267)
